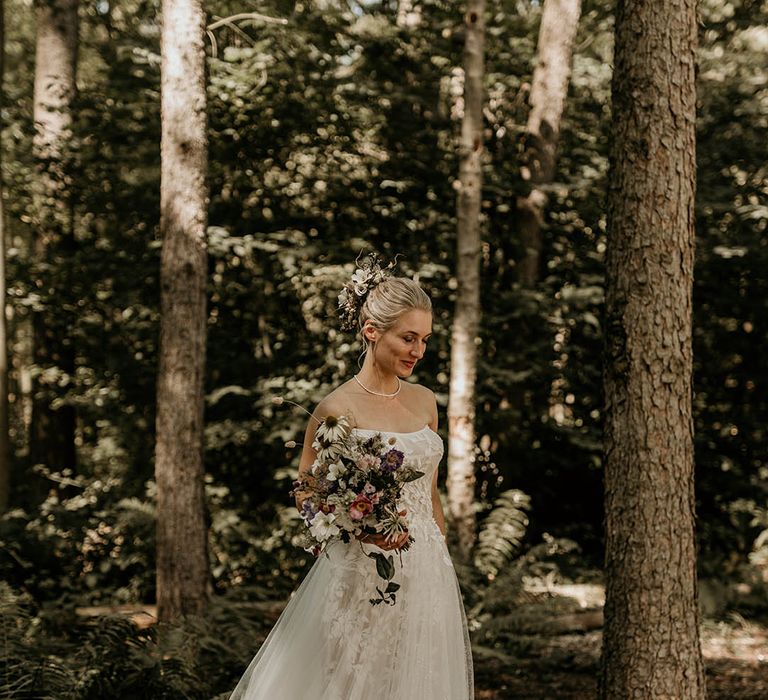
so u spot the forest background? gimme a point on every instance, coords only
(329, 134)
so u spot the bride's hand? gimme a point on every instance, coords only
(384, 543)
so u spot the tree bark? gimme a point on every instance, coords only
(182, 549)
(651, 643)
(5, 464)
(52, 430)
(559, 22)
(461, 401)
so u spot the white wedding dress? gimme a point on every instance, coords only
(330, 643)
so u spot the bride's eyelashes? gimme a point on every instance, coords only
(409, 339)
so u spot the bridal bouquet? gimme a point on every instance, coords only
(354, 486)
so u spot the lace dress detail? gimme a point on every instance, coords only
(330, 643)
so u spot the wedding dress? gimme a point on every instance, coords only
(330, 643)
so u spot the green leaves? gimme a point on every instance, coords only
(385, 567)
(411, 475)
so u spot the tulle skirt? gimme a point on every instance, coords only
(330, 643)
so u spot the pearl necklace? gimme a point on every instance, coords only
(377, 393)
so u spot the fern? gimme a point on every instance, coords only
(30, 664)
(502, 532)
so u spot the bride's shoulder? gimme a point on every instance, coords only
(423, 398)
(336, 403)
(420, 391)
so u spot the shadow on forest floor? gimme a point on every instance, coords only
(564, 665)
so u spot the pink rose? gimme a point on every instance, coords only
(360, 507)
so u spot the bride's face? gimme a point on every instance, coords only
(402, 346)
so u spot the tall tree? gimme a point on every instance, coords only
(651, 638)
(559, 21)
(5, 464)
(461, 400)
(182, 549)
(52, 440)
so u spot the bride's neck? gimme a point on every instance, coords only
(377, 379)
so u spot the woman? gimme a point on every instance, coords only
(330, 643)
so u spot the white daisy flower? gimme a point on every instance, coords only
(328, 453)
(332, 429)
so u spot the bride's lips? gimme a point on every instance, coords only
(408, 364)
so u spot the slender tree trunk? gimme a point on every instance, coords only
(5, 451)
(559, 22)
(182, 550)
(651, 639)
(52, 430)
(461, 402)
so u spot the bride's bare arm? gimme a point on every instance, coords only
(437, 506)
(308, 453)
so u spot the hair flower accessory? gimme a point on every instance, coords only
(368, 274)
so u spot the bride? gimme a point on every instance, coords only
(330, 643)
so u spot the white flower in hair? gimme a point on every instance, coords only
(365, 278)
(361, 277)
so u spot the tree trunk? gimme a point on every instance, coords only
(559, 22)
(5, 464)
(461, 402)
(182, 550)
(52, 430)
(651, 638)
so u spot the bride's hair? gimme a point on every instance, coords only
(387, 301)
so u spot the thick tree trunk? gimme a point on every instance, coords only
(52, 431)
(559, 21)
(651, 637)
(182, 550)
(461, 402)
(5, 464)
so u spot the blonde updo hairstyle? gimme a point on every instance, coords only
(386, 302)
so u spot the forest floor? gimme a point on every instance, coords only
(565, 666)
(556, 656)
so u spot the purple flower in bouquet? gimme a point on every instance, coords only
(392, 460)
(353, 488)
(308, 511)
